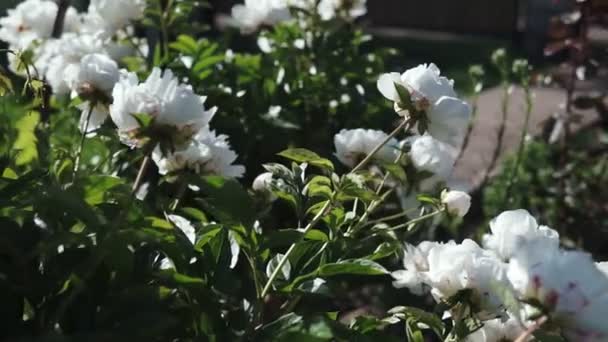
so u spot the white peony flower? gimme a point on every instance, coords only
(450, 268)
(497, 330)
(207, 154)
(352, 145)
(432, 155)
(416, 265)
(97, 73)
(511, 228)
(567, 283)
(456, 202)
(64, 65)
(170, 104)
(108, 16)
(455, 267)
(255, 13)
(448, 116)
(329, 9)
(33, 20)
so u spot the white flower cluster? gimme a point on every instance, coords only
(521, 260)
(178, 119)
(83, 61)
(253, 14)
(444, 117)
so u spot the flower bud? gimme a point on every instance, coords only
(456, 202)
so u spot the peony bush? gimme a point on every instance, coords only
(159, 185)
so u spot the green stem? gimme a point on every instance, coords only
(140, 175)
(351, 231)
(369, 157)
(285, 257)
(391, 217)
(82, 139)
(416, 220)
(521, 148)
(183, 187)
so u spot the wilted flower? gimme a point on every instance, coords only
(173, 107)
(434, 94)
(432, 155)
(456, 202)
(33, 20)
(207, 154)
(511, 228)
(350, 9)
(352, 145)
(255, 13)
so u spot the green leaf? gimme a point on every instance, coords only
(185, 44)
(355, 266)
(413, 332)
(26, 138)
(207, 62)
(194, 214)
(302, 155)
(178, 279)
(144, 120)
(396, 171)
(404, 96)
(227, 201)
(98, 186)
(353, 186)
(319, 186)
(287, 237)
(6, 85)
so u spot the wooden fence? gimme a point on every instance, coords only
(465, 16)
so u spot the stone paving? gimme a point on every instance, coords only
(478, 155)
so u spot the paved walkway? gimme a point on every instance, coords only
(478, 154)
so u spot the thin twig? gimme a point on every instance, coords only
(531, 329)
(140, 175)
(369, 157)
